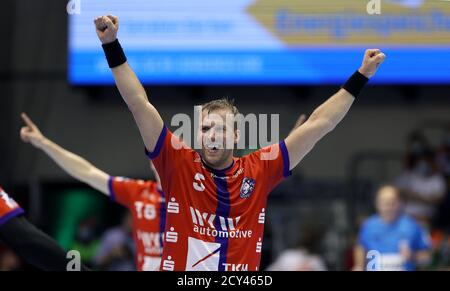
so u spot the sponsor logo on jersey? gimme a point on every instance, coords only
(248, 185)
(197, 184)
(145, 210)
(205, 224)
(235, 267)
(202, 256)
(150, 241)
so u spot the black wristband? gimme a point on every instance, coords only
(114, 54)
(355, 83)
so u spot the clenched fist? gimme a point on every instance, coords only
(373, 58)
(106, 28)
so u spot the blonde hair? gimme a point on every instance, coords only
(219, 104)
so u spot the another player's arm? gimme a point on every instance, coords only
(34, 246)
(325, 118)
(147, 118)
(74, 165)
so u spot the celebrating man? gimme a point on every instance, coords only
(221, 200)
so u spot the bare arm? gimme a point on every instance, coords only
(147, 118)
(359, 258)
(300, 120)
(74, 165)
(325, 118)
(158, 179)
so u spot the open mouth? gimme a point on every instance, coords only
(213, 148)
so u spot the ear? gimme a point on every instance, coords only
(237, 136)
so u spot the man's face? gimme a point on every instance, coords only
(217, 137)
(388, 203)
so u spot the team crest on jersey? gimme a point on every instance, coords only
(248, 185)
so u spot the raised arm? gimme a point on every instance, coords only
(300, 120)
(74, 165)
(155, 173)
(147, 118)
(325, 118)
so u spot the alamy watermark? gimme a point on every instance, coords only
(373, 260)
(74, 263)
(215, 131)
(73, 7)
(374, 7)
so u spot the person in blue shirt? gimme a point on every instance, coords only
(391, 240)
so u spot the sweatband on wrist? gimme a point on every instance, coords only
(355, 83)
(114, 54)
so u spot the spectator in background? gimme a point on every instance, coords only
(422, 185)
(303, 257)
(86, 239)
(440, 234)
(116, 251)
(443, 155)
(443, 161)
(399, 242)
